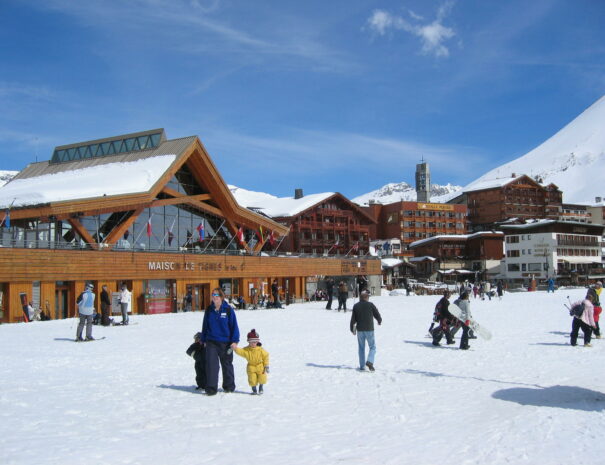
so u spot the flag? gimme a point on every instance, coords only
(126, 234)
(149, 231)
(356, 246)
(240, 235)
(170, 237)
(7, 219)
(272, 238)
(201, 231)
(259, 234)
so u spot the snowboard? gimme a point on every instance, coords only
(480, 330)
(95, 339)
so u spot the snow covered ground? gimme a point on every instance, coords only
(524, 397)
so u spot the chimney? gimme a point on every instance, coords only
(298, 193)
(597, 199)
(513, 175)
(372, 201)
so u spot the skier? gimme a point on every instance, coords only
(258, 361)
(197, 351)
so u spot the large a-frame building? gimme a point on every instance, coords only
(142, 210)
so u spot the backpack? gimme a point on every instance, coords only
(577, 310)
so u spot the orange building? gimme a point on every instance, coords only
(413, 221)
(141, 210)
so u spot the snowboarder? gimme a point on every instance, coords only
(465, 306)
(196, 350)
(258, 361)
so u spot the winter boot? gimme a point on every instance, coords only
(260, 389)
(254, 390)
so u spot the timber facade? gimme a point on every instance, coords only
(140, 210)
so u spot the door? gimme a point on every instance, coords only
(61, 302)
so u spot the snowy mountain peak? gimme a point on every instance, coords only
(402, 191)
(573, 159)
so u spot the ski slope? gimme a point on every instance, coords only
(524, 397)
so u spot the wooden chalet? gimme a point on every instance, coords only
(325, 224)
(146, 211)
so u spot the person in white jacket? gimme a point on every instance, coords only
(585, 321)
(465, 306)
(125, 298)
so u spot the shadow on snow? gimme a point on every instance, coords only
(568, 397)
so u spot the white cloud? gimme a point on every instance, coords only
(433, 35)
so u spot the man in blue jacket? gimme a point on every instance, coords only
(219, 331)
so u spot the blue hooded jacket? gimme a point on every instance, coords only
(220, 325)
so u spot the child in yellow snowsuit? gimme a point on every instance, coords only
(258, 361)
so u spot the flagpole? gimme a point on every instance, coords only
(7, 212)
(233, 237)
(170, 230)
(216, 232)
(282, 239)
(147, 222)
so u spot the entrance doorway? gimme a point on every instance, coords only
(200, 296)
(61, 301)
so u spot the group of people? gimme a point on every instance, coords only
(447, 324)
(86, 310)
(213, 347)
(343, 294)
(482, 289)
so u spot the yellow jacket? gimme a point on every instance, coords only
(257, 357)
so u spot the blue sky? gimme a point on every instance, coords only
(338, 95)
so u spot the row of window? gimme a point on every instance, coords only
(129, 144)
(528, 267)
(431, 214)
(431, 224)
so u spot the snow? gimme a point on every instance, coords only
(404, 192)
(524, 397)
(276, 206)
(94, 181)
(571, 159)
(390, 262)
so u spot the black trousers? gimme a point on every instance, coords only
(200, 373)
(342, 300)
(575, 327)
(329, 304)
(442, 330)
(219, 353)
(464, 338)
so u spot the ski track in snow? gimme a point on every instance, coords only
(524, 397)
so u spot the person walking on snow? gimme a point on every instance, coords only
(362, 324)
(445, 318)
(465, 306)
(258, 361)
(86, 308)
(343, 294)
(197, 352)
(585, 321)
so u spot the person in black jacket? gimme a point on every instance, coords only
(445, 319)
(196, 350)
(330, 292)
(362, 324)
(105, 306)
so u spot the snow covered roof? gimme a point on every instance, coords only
(421, 259)
(390, 262)
(273, 206)
(98, 180)
(454, 237)
(482, 184)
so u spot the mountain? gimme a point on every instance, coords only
(396, 192)
(573, 159)
(6, 176)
